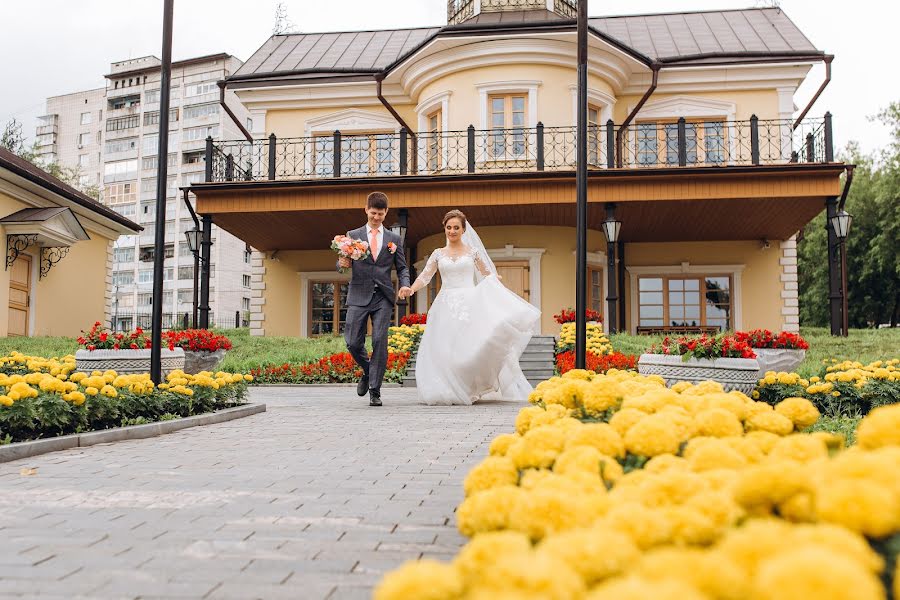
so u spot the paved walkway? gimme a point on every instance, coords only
(315, 498)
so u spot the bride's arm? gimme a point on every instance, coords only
(427, 273)
(479, 264)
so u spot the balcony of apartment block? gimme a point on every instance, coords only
(48, 125)
(676, 144)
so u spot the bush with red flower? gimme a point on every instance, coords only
(565, 361)
(336, 368)
(568, 316)
(763, 338)
(705, 346)
(414, 319)
(196, 340)
(103, 338)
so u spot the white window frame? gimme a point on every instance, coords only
(426, 108)
(493, 88)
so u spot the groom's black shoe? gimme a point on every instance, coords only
(374, 398)
(363, 386)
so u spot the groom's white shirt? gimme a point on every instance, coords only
(379, 238)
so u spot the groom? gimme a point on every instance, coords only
(371, 295)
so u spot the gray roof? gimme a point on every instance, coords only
(670, 37)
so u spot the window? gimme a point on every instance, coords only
(148, 253)
(145, 275)
(198, 89)
(646, 144)
(123, 277)
(120, 123)
(186, 273)
(184, 249)
(434, 141)
(120, 193)
(360, 154)
(84, 139)
(151, 143)
(194, 134)
(247, 255)
(245, 303)
(126, 301)
(123, 145)
(120, 170)
(595, 128)
(705, 143)
(85, 118)
(201, 110)
(194, 158)
(212, 270)
(152, 118)
(682, 301)
(169, 274)
(152, 162)
(84, 160)
(151, 96)
(125, 102)
(507, 123)
(249, 124)
(145, 299)
(595, 289)
(123, 255)
(328, 312)
(245, 280)
(185, 296)
(126, 210)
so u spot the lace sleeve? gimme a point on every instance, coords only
(479, 263)
(428, 272)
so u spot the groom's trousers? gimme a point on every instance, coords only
(381, 311)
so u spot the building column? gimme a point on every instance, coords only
(257, 291)
(790, 303)
(205, 246)
(835, 299)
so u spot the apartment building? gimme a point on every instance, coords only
(127, 142)
(71, 133)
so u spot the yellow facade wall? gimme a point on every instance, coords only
(72, 295)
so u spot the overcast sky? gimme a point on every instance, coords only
(53, 47)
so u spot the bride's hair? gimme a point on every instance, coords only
(456, 214)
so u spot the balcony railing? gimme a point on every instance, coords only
(676, 144)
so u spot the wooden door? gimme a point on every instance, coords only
(516, 277)
(19, 295)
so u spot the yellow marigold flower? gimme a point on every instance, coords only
(859, 505)
(582, 374)
(91, 391)
(488, 510)
(761, 488)
(681, 386)
(568, 394)
(625, 419)
(647, 527)
(534, 575)
(799, 447)
(636, 588)
(800, 411)
(718, 422)
(500, 445)
(248, 377)
(770, 421)
(601, 436)
(597, 399)
(714, 453)
(746, 448)
(491, 472)
(764, 440)
(425, 579)
(880, 428)
(77, 398)
(547, 510)
(537, 448)
(13, 396)
(711, 573)
(523, 419)
(730, 402)
(596, 553)
(6, 401)
(838, 539)
(480, 554)
(652, 435)
(665, 462)
(109, 391)
(815, 573)
(583, 459)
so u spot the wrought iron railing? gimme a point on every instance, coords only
(567, 8)
(459, 10)
(642, 145)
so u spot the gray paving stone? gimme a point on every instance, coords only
(316, 498)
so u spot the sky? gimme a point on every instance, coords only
(60, 46)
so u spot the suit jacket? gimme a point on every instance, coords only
(370, 274)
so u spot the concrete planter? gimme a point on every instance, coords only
(778, 359)
(194, 362)
(739, 374)
(126, 362)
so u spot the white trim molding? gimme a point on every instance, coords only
(688, 269)
(351, 120)
(790, 295)
(257, 293)
(688, 107)
(508, 87)
(597, 98)
(426, 107)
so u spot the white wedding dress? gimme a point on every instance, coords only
(474, 336)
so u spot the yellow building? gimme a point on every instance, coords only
(693, 146)
(59, 250)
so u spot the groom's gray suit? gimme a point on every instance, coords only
(371, 295)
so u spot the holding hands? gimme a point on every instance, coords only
(405, 292)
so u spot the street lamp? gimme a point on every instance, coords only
(840, 223)
(611, 229)
(193, 239)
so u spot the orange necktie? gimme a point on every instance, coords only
(373, 243)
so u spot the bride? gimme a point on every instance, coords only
(477, 329)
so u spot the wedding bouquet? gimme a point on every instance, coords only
(347, 247)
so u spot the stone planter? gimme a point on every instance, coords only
(733, 373)
(778, 359)
(126, 362)
(194, 362)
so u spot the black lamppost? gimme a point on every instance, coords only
(581, 154)
(193, 236)
(399, 228)
(611, 228)
(840, 223)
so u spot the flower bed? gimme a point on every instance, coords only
(597, 343)
(615, 487)
(414, 319)
(336, 368)
(41, 397)
(775, 352)
(204, 350)
(568, 316)
(841, 389)
(405, 338)
(565, 362)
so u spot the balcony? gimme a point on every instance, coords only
(677, 144)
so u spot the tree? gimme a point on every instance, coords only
(12, 138)
(283, 23)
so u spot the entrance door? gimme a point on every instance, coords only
(19, 295)
(516, 277)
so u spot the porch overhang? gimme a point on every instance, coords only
(655, 205)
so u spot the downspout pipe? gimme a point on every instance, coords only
(234, 118)
(847, 183)
(414, 167)
(827, 59)
(624, 126)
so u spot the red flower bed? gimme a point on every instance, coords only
(102, 338)
(197, 340)
(414, 319)
(336, 368)
(763, 338)
(568, 316)
(704, 346)
(565, 361)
